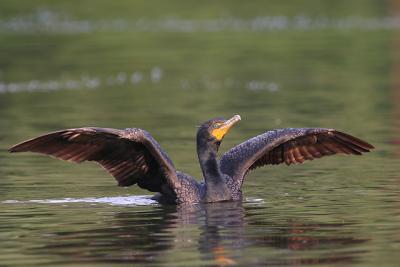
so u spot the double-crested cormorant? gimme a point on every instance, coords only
(133, 156)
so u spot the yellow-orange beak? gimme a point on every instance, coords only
(221, 131)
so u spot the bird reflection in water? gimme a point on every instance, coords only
(220, 234)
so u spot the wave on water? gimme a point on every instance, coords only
(118, 200)
(131, 80)
(143, 200)
(52, 22)
(254, 200)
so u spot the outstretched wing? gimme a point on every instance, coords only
(132, 156)
(291, 145)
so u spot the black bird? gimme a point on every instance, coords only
(133, 156)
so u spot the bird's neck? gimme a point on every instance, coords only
(209, 166)
(208, 161)
(216, 188)
(215, 183)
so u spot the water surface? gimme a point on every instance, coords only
(167, 68)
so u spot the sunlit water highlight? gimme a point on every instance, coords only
(49, 21)
(119, 200)
(132, 80)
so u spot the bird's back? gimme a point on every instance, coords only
(190, 190)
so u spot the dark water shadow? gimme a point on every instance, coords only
(221, 233)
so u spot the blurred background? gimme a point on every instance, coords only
(167, 66)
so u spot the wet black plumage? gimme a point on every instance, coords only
(133, 156)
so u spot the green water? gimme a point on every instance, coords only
(167, 66)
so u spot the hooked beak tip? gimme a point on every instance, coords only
(237, 117)
(234, 120)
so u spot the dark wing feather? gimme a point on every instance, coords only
(132, 156)
(290, 146)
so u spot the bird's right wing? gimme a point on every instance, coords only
(132, 156)
(291, 146)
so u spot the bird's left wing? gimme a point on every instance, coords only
(291, 146)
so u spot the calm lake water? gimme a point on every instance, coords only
(167, 66)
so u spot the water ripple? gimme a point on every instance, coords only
(49, 21)
(119, 200)
(131, 79)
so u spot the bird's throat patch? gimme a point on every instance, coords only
(219, 133)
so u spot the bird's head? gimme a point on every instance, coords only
(214, 130)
